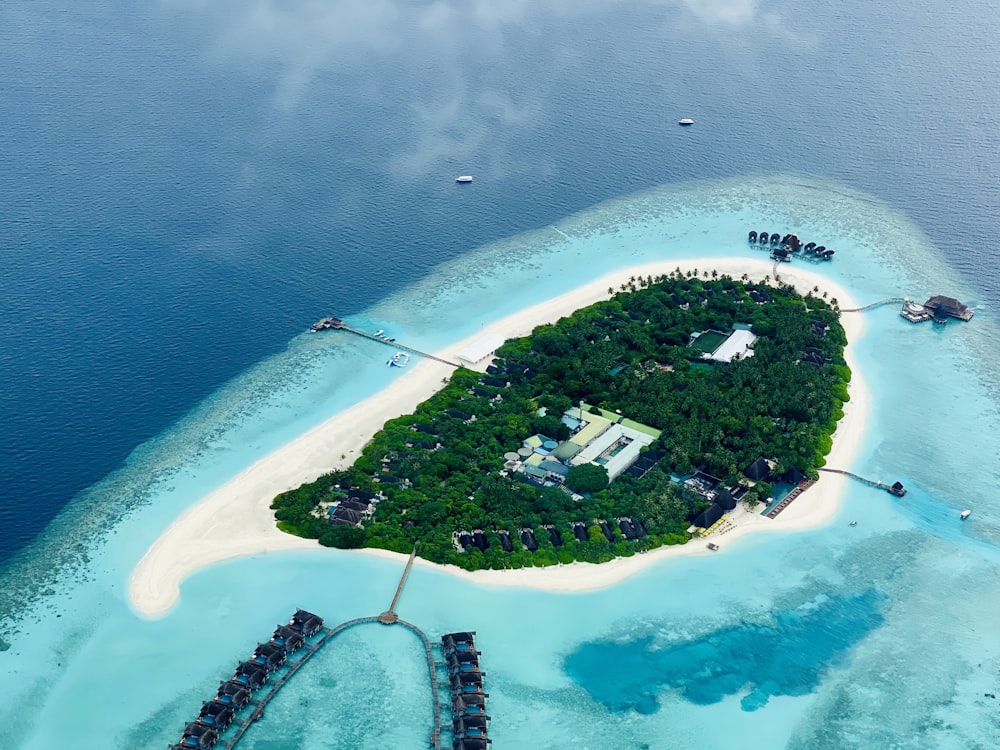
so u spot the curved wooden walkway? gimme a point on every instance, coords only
(388, 617)
(257, 709)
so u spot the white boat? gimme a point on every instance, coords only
(854, 523)
(686, 121)
(965, 514)
(379, 332)
(399, 359)
(464, 178)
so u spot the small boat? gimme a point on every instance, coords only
(686, 121)
(854, 523)
(464, 178)
(965, 514)
(399, 359)
(714, 547)
(379, 332)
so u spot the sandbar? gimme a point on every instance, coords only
(235, 520)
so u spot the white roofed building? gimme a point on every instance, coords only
(481, 348)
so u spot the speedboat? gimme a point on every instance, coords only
(714, 547)
(379, 332)
(965, 514)
(686, 121)
(854, 523)
(464, 178)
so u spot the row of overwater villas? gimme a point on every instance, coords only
(468, 701)
(234, 694)
(784, 246)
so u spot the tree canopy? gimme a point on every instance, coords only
(441, 470)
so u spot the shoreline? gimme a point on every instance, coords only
(235, 519)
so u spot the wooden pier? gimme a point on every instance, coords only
(255, 710)
(896, 488)
(878, 303)
(335, 324)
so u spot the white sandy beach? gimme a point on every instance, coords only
(235, 520)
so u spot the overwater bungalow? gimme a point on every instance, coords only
(459, 681)
(217, 714)
(763, 238)
(752, 237)
(471, 743)
(897, 489)
(306, 622)
(528, 540)
(250, 675)
(465, 656)
(775, 238)
(199, 735)
(458, 642)
(469, 705)
(289, 639)
(234, 694)
(473, 727)
(943, 308)
(463, 667)
(269, 655)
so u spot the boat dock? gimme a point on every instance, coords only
(225, 719)
(896, 488)
(336, 324)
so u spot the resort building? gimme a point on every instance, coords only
(947, 307)
(721, 347)
(480, 349)
(604, 438)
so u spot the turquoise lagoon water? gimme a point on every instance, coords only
(882, 635)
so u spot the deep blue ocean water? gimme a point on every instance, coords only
(177, 182)
(185, 186)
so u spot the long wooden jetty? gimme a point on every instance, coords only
(336, 324)
(877, 303)
(389, 616)
(896, 488)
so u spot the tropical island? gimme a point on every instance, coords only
(618, 429)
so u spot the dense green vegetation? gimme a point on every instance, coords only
(439, 470)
